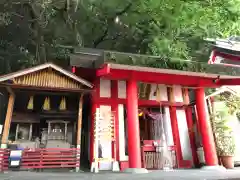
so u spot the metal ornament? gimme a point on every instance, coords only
(30, 103)
(62, 105)
(46, 105)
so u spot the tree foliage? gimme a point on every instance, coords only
(232, 102)
(34, 31)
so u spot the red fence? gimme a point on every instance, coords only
(50, 158)
(43, 158)
(4, 155)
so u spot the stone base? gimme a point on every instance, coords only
(94, 167)
(135, 170)
(167, 169)
(3, 146)
(77, 170)
(115, 166)
(218, 168)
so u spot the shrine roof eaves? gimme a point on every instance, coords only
(231, 89)
(189, 66)
(23, 72)
(102, 57)
(170, 71)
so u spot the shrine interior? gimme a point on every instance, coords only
(49, 120)
(150, 122)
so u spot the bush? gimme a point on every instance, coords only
(222, 129)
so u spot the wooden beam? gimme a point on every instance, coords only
(105, 70)
(163, 78)
(8, 119)
(13, 86)
(141, 102)
(79, 130)
(9, 89)
(79, 124)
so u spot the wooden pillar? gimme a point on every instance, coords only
(49, 128)
(79, 130)
(65, 130)
(188, 112)
(174, 124)
(8, 120)
(30, 132)
(74, 130)
(16, 135)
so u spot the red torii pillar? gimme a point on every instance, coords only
(205, 129)
(134, 150)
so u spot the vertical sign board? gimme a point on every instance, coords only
(104, 136)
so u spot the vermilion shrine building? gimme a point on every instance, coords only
(117, 89)
(126, 86)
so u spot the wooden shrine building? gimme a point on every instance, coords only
(44, 107)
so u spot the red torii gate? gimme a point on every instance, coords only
(199, 81)
(98, 65)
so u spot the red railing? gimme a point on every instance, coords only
(4, 159)
(152, 159)
(50, 158)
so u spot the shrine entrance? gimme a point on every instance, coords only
(85, 134)
(154, 134)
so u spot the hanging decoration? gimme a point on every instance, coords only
(62, 105)
(140, 112)
(46, 105)
(30, 103)
(158, 98)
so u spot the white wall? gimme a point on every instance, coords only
(122, 89)
(184, 136)
(106, 143)
(168, 127)
(122, 132)
(182, 125)
(105, 92)
(163, 92)
(178, 95)
(105, 88)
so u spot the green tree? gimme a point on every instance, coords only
(34, 31)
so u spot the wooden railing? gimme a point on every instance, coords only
(152, 159)
(4, 159)
(50, 158)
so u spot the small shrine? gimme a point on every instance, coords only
(225, 51)
(44, 107)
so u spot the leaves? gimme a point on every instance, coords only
(170, 29)
(224, 113)
(232, 102)
(225, 143)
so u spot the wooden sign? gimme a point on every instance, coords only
(103, 131)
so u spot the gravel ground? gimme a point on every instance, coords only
(158, 175)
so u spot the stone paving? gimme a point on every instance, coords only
(158, 175)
